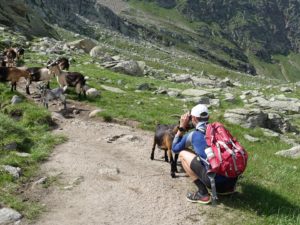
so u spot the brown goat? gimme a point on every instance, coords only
(13, 75)
(163, 138)
(10, 55)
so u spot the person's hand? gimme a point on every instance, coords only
(184, 120)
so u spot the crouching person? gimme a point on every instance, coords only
(194, 164)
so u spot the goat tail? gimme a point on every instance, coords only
(86, 78)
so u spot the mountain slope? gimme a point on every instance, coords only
(254, 37)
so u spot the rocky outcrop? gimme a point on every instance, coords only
(135, 68)
(85, 44)
(290, 153)
(9, 216)
(274, 31)
(251, 118)
(19, 16)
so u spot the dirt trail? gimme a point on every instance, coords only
(105, 176)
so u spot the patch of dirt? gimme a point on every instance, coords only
(105, 176)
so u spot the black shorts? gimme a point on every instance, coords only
(199, 169)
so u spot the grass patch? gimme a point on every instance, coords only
(26, 125)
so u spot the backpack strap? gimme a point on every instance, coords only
(214, 196)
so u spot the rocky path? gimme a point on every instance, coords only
(104, 175)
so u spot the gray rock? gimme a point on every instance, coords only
(225, 83)
(172, 93)
(11, 146)
(183, 78)
(286, 89)
(196, 93)
(16, 99)
(14, 171)
(92, 92)
(94, 113)
(144, 87)
(112, 89)
(130, 67)
(161, 90)
(229, 97)
(97, 52)
(214, 102)
(279, 124)
(270, 133)
(203, 100)
(8, 216)
(248, 118)
(23, 154)
(84, 44)
(291, 153)
(116, 58)
(250, 138)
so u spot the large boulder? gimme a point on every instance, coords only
(130, 67)
(9, 216)
(279, 124)
(291, 153)
(85, 44)
(92, 92)
(14, 171)
(248, 118)
(278, 103)
(96, 52)
(251, 118)
(197, 93)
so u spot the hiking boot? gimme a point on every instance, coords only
(197, 197)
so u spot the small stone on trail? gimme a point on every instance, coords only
(94, 113)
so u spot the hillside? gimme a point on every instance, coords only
(260, 37)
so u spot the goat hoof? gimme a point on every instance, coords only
(151, 157)
(173, 174)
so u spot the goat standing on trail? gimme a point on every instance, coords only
(163, 138)
(39, 74)
(65, 79)
(13, 75)
(49, 95)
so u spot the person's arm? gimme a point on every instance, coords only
(199, 144)
(179, 141)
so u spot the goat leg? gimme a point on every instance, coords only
(175, 162)
(174, 166)
(166, 156)
(153, 149)
(28, 82)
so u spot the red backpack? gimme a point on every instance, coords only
(229, 158)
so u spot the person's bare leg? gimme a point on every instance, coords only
(186, 159)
